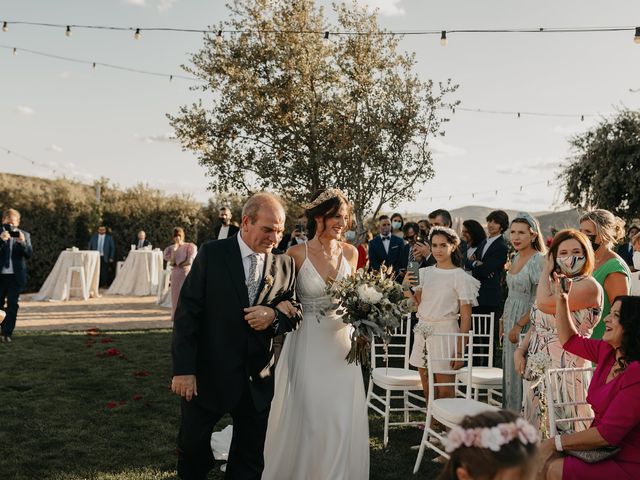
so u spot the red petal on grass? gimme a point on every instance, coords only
(107, 340)
(112, 352)
(111, 405)
(141, 373)
(122, 402)
(137, 396)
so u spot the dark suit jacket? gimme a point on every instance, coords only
(232, 230)
(490, 272)
(625, 251)
(21, 252)
(378, 255)
(211, 338)
(109, 246)
(136, 242)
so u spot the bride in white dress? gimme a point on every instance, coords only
(318, 425)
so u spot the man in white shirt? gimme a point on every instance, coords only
(142, 240)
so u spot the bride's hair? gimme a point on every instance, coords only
(325, 209)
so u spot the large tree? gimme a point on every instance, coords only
(293, 111)
(604, 169)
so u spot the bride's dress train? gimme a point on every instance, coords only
(318, 425)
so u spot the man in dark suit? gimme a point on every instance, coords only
(625, 250)
(437, 218)
(487, 265)
(103, 243)
(225, 228)
(141, 241)
(385, 248)
(15, 249)
(236, 298)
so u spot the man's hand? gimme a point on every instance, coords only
(21, 238)
(4, 236)
(185, 386)
(287, 308)
(259, 317)
(422, 249)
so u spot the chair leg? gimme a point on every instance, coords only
(369, 391)
(423, 441)
(387, 414)
(406, 406)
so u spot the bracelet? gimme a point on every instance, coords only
(558, 440)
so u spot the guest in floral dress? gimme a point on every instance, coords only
(522, 280)
(571, 255)
(180, 256)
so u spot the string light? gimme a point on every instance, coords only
(67, 32)
(443, 38)
(15, 51)
(219, 37)
(548, 183)
(93, 65)
(5, 27)
(636, 38)
(326, 40)
(137, 35)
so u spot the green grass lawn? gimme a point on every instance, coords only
(56, 390)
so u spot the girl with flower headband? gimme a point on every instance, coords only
(442, 292)
(491, 446)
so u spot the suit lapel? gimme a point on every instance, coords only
(262, 291)
(236, 271)
(479, 250)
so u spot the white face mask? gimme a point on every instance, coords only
(571, 265)
(636, 260)
(396, 225)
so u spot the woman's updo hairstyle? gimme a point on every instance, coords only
(610, 227)
(325, 204)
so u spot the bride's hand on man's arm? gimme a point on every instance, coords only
(287, 308)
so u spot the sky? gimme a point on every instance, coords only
(87, 124)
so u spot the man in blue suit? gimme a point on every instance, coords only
(385, 248)
(15, 249)
(103, 243)
(625, 250)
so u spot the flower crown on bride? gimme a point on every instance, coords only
(324, 196)
(492, 438)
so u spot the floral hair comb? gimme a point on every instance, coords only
(323, 197)
(492, 438)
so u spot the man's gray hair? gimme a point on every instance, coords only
(256, 201)
(9, 212)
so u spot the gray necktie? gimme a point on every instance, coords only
(252, 281)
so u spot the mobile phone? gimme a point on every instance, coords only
(419, 239)
(14, 233)
(414, 268)
(564, 286)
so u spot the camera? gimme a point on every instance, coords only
(14, 233)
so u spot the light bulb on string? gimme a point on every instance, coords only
(582, 118)
(94, 66)
(137, 35)
(636, 38)
(5, 27)
(518, 114)
(67, 32)
(15, 51)
(219, 37)
(325, 39)
(443, 38)
(171, 78)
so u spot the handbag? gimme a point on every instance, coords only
(596, 455)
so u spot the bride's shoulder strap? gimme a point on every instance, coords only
(306, 250)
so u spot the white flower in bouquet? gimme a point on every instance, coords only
(539, 363)
(369, 294)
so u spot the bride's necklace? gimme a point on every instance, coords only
(331, 256)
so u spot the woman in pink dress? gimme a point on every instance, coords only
(180, 256)
(614, 394)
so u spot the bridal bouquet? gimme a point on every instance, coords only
(373, 304)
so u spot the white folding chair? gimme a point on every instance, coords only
(82, 280)
(397, 383)
(487, 378)
(163, 286)
(448, 411)
(566, 391)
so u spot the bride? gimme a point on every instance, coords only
(318, 425)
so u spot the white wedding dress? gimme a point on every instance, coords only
(318, 425)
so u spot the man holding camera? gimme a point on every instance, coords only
(15, 249)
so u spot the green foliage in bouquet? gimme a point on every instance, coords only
(373, 304)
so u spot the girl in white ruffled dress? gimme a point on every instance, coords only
(444, 294)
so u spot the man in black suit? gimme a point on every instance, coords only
(15, 249)
(487, 265)
(385, 248)
(225, 228)
(141, 241)
(236, 298)
(103, 243)
(437, 218)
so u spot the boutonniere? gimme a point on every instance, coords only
(268, 280)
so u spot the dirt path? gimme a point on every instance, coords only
(109, 312)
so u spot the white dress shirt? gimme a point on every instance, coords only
(9, 269)
(245, 253)
(224, 232)
(101, 244)
(386, 241)
(140, 244)
(490, 240)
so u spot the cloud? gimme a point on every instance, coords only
(54, 148)
(23, 110)
(162, 138)
(138, 3)
(390, 8)
(165, 5)
(535, 165)
(440, 148)
(64, 75)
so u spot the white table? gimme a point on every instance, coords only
(55, 286)
(140, 274)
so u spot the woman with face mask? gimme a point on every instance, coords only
(570, 255)
(351, 236)
(397, 223)
(604, 230)
(635, 276)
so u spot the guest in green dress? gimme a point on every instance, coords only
(522, 280)
(605, 230)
